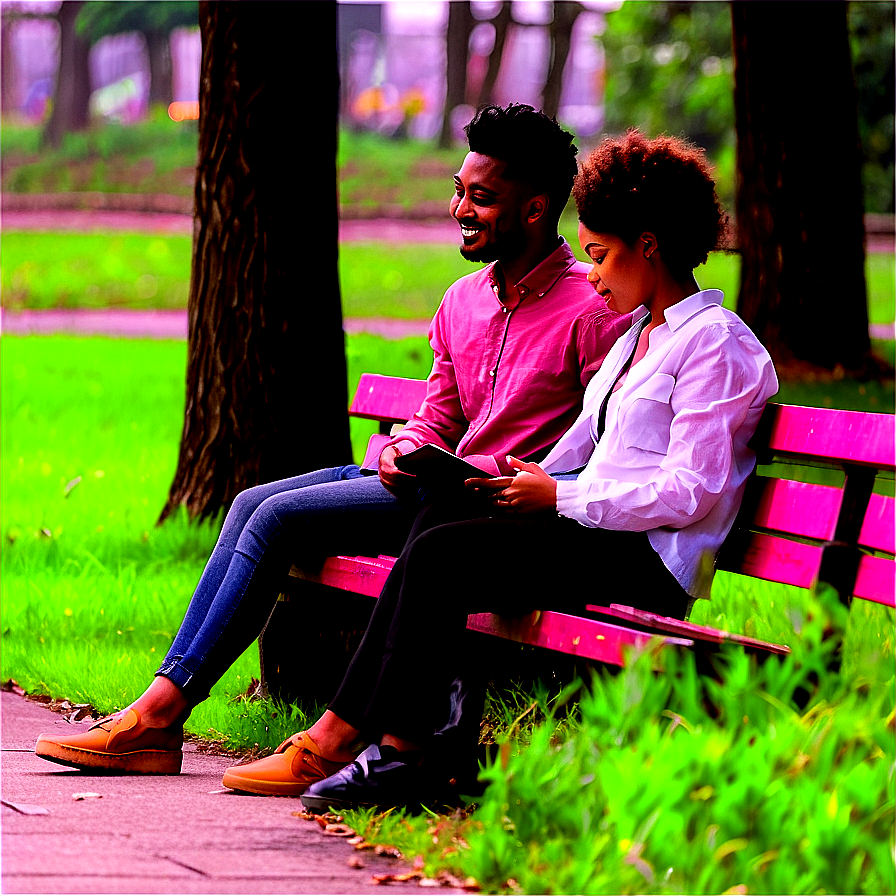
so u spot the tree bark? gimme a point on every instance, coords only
(460, 27)
(266, 378)
(161, 91)
(501, 22)
(799, 195)
(560, 31)
(71, 97)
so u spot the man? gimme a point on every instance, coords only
(514, 345)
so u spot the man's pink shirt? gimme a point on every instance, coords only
(511, 380)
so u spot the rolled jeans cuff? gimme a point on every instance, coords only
(174, 671)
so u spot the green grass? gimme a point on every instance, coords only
(92, 590)
(633, 784)
(66, 270)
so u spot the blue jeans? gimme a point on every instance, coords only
(300, 520)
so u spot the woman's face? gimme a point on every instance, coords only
(620, 272)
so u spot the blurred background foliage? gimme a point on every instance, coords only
(670, 70)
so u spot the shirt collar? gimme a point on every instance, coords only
(544, 276)
(681, 312)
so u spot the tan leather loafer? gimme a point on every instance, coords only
(296, 764)
(119, 743)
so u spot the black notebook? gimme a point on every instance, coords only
(437, 463)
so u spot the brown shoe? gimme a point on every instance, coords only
(296, 764)
(119, 743)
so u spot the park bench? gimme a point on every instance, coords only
(815, 509)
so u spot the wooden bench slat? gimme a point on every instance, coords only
(876, 580)
(810, 511)
(775, 560)
(838, 436)
(799, 508)
(879, 526)
(669, 625)
(390, 399)
(588, 638)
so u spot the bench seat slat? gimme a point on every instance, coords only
(835, 435)
(672, 626)
(557, 631)
(588, 638)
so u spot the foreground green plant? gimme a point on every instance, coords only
(684, 782)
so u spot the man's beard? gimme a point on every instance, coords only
(505, 246)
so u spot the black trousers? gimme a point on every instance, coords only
(459, 561)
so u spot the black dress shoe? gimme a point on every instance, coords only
(380, 776)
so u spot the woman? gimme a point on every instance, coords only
(637, 497)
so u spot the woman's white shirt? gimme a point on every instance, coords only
(673, 459)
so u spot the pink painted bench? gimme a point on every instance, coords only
(788, 531)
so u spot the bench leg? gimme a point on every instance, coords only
(308, 641)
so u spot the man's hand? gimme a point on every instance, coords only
(393, 479)
(529, 490)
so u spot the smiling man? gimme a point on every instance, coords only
(514, 345)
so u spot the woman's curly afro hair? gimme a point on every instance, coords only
(632, 185)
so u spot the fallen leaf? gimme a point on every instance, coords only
(70, 486)
(356, 862)
(13, 686)
(338, 830)
(397, 878)
(87, 796)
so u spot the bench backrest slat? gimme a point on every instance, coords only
(810, 511)
(837, 436)
(387, 398)
(876, 580)
(879, 526)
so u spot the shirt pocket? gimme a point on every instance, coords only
(647, 421)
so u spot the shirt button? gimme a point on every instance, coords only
(504, 308)
(491, 373)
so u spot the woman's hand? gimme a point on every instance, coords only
(530, 490)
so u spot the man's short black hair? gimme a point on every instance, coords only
(536, 149)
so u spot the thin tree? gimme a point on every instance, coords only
(155, 20)
(266, 379)
(457, 41)
(799, 193)
(501, 23)
(564, 18)
(71, 96)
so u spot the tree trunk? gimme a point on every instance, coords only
(71, 97)
(799, 193)
(161, 91)
(501, 22)
(560, 30)
(460, 26)
(266, 377)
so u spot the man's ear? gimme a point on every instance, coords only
(648, 240)
(537, 207)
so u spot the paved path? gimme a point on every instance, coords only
(162, 324)
(148, 834)
(106, 221)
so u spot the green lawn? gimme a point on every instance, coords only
(62, 270)
(632, 784)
